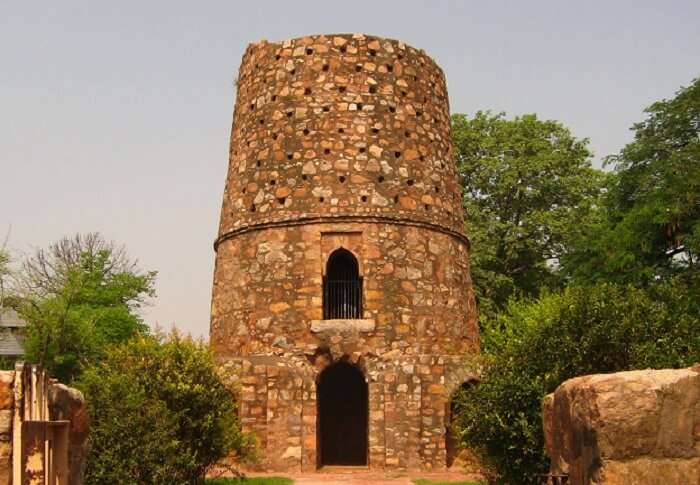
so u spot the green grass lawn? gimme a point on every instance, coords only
(422, 481)
(250, 481)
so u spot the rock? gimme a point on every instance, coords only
(637, 427)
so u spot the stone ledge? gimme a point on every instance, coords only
(343, 325)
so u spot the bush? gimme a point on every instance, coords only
(161, 413)
(535, 346)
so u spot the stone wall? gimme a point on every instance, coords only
(417, 291)
(7, 401)
(628, 428)
(21, 398)
(343, 141)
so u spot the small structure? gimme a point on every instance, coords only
(12, 333)
(43, 429)
(628, 428)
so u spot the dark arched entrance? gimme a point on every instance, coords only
(342, 416)
(457, 400)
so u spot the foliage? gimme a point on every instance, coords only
(4, 272)
(577, 331)
(78, 297)
(160, 413)
(527, 182)
(251, 481)
(649, 227)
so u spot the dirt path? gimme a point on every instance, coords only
(373, 478)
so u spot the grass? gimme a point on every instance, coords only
(250, 481)
(423, 481)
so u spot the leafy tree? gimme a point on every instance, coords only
(577, 331)
(649, 226)
(78, 297)
(161, 413)
(526, 183)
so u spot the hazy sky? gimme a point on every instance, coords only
(115, 116)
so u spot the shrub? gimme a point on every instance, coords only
(161, 413)
(535, 346)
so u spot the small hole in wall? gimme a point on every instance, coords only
(252, 208)
(307, 91)
(407, 134)
(342, 179)
(321, 199)
(304, 177)
(380, 179)
(415, 78)
(326, 109)
(289, 114)
(278, 135)
(341, 89)
(419, 114)
(392, 109)
(400, 56)
(290, 156)
(403, 93)
(363, 198)
(363, 149)
(397, 154)
(243, 190)
(375, 130)
(372, 52)
(396, 199)
(278, 57)
(343, 49)
(437, 189)
(274, 97)
(273, 182)
(281, 200)
(427, 207)
(341, 130)
(389, 67)
(306, 131)
(309, 51)
(252, 106)
(442, 165)
(261, 120)
(258, 163)
(409, 182)
(327, 151)
(373, 89)
(325, 67)
(359, 106)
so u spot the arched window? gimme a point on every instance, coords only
(342, 286)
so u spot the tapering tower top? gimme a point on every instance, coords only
(340, 127)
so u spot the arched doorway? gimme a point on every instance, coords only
(342, 286)
(342, 416)
(457, 400)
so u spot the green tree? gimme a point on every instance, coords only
(576, 331)
(78, 297)
(526, 183)
(161, 413)
(649, 225)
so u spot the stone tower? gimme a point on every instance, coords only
(342, 297)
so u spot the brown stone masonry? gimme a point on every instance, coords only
(341, 144)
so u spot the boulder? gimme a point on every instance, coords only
(637, 427)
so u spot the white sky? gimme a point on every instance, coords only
(115, 116)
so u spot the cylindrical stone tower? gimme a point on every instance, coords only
(342, 297)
